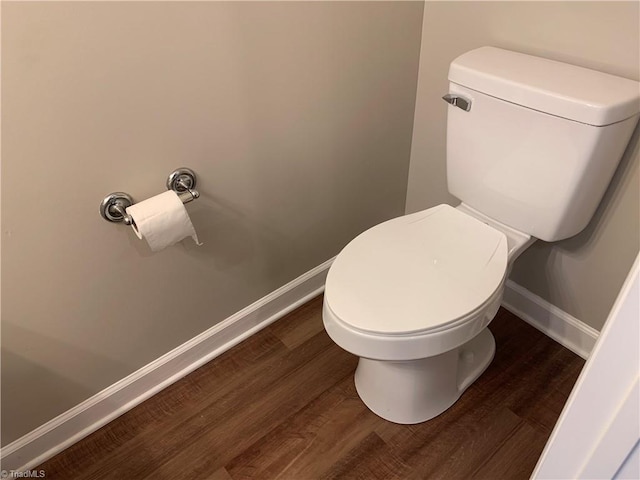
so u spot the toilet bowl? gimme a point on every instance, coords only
(531, 147)
(412, 297)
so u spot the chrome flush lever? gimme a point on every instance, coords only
(457, 101)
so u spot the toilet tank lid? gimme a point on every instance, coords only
(557, 88)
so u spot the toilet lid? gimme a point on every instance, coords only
(417, 272)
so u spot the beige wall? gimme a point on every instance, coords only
(297, 118)
(581, 275)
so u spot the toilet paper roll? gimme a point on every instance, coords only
(162, 221)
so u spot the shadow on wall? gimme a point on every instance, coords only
(41, 383)
(234, 235)
(580, 247)
(231, 238)
(611, 198)
(224, 230)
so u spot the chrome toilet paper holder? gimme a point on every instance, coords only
(182, 181)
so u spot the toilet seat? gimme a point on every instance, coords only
(416, 274)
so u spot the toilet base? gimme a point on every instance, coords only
(414, 391)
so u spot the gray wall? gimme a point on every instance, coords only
(581, 275)
(297, 118)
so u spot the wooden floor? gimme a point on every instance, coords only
(282, 404)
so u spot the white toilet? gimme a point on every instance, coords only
(531, 147)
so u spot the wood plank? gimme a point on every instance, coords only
(220, 474)
(547, 390)
(270, 455)
(371, 460)
(114, 442)
(318, 435)
(228, 429)
(282, 404)
(523, 356)
(211, 410)
(516, 457)
(295, 330)
(472, 451)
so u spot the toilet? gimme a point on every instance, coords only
(531, 146)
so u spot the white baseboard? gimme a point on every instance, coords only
(68, 428)
(73, 425)
(549, 319)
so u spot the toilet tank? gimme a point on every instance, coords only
(533, 143)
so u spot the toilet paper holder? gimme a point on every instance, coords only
(182, 181)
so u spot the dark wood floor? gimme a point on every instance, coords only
(282, 404)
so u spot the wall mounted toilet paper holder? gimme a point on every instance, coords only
(182, 181)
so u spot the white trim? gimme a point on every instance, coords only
(73, 425)
(565, 329)
(598, 430)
